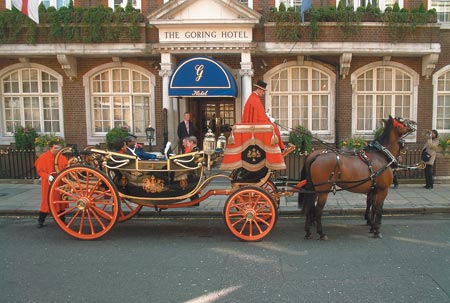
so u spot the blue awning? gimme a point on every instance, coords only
(202, 77)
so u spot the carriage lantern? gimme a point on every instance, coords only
(209, 145)
(221, 141)
(150, 133)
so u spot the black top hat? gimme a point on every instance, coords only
(261, 84)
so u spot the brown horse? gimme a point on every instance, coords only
(368, 171)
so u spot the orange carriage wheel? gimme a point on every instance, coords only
(250, 213)
(128, 210)
(83, 202)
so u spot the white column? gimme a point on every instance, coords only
(246, 73)
(167, 64)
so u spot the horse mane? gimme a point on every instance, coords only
(388, 125)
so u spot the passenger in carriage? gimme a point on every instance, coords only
(120, 146)
(186, 146)
(191, 144)
(254, 111)
(132, 149)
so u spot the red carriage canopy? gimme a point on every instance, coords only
(253, 146)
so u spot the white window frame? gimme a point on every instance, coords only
(249, 3)
(53, 3)
(368, 134)
(97, 138)
(445, 24)
(381, 3)
(124, 4)
(436, 94)
(6, 137)
(288, 3)
(328, 135)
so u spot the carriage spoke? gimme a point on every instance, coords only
(250, 213)
(89, 199)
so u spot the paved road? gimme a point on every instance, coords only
(410, 198)
(196, 260)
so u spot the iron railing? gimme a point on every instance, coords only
(17, 164)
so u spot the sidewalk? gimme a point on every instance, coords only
(24, 199)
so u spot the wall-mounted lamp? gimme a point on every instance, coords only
(263, 64)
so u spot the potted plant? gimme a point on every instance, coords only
(41, 142)
(444, 142)
(301, 137)
(24, 138)
(354, 143)
(114, 134)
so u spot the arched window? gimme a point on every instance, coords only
(380, 90)
(120, 95)
(303, 95)
(441, 102)
(31, 96)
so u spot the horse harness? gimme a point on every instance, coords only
(392, 162)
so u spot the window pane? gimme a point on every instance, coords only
(127, 104)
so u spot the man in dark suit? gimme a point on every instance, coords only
(185, 129)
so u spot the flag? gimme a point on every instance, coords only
(29, 8)
(306, 6)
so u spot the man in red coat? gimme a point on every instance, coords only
(45, 167)
(254, 111)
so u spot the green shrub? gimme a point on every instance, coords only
(24, 138)
(114, 134)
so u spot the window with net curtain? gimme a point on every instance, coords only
(31, 99)
(382, 4)
(443, 103)
(120, 97)
(442, 8)
(301, 96)
(123, 3)
(380, 92)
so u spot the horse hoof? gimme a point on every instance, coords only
(323, 238)
(308, 237)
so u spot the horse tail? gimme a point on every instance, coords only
(307, 192)
(301, 194)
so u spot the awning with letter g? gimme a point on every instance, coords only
(202, 77)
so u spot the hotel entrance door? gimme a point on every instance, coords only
(218, 116)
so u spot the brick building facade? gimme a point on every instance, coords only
(336, 85)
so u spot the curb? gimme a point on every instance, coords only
(173, 213)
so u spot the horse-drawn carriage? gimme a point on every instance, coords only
(101, 187)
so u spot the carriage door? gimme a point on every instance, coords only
(217, 114)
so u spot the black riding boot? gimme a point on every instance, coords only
(41, 219)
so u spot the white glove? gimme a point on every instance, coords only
(166, 150)
(270, 117)
(50, 178)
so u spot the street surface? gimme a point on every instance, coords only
(197, 260)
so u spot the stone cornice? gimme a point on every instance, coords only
(76, 49)
(201, 48)
(356, 48)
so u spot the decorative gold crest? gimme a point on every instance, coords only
(253, 154)
(183, 182)
(136, 173)
(153, 185)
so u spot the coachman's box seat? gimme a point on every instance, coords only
(253, 147)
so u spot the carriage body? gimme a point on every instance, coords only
(102, 187)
